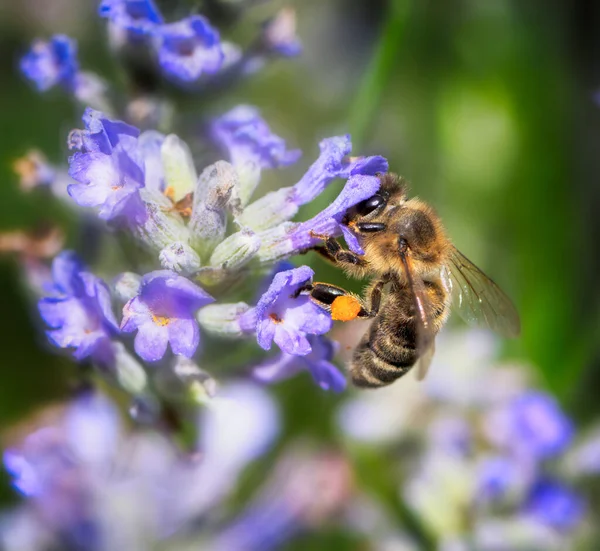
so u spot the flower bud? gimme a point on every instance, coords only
(271, 210)
(216, 192)
(129, 372)
(184, 381)
(126, 286)
(162, 225)
(236, 251)
(276, 243)
(222, 319)
(249, 174)
(180, 258)
(178, 165)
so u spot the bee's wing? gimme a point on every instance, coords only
(477, 299)
(425, 330)
(425, 361)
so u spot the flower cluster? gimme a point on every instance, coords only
(91, 484)
(492, 469)
(189, 52)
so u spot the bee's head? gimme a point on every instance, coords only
(391, 194)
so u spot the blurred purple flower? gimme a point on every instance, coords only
(78, 311)
(555, 505)
(189, 48)
(531, 425)
(451, 434)
(279, 34)
(53, 62)
(496, 477)
(246, 137)
(108, 167)
(317, 362)
(287, 319)
(163, 313)
(137, 16)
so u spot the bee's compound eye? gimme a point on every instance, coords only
(369, 205)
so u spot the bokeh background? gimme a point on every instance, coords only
(489, 109)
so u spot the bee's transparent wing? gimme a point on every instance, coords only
(422, 367)
(477, 299)
(424, 325)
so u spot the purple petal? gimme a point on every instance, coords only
(351, 240)
(135, 313)
(138, 16)
(190, 48)
(246, 137)
(310, 318)
(327, 376)
(265, 331)
(151, 341)
(64, 268)
(278, 368)
(184, 337)
(290, 341)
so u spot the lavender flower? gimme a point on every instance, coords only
(287, 319)
(531, 425)
(163, 313)
(108, 167)
(555, 505)
(333, 162)
(247, 138)
(250, 145)
(78, 311)
(52, 63)
(189, 48)
(139, 17)
(317, 362)
(286, 240)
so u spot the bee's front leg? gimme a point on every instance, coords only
(333, 251)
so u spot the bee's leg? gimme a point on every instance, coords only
(334, 252)
(374, 295)
(343, 305)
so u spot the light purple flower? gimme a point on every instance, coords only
(163, 313)
(317, 362)
(189, 48)
(246, 137)
(137, 16)
(329, 221)
(108, 167)
(53, 62)
(531, 425)
(282, 317)
(78, 311)
(555, 505)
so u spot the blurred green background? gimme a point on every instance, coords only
(487, 108)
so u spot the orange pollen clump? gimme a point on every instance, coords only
(345, 308)
(169, 193)
(275, 318)
(161, 320)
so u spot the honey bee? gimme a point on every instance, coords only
(417, 274)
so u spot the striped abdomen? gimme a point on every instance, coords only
(388, 350)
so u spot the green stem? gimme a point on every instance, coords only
(366, 103)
